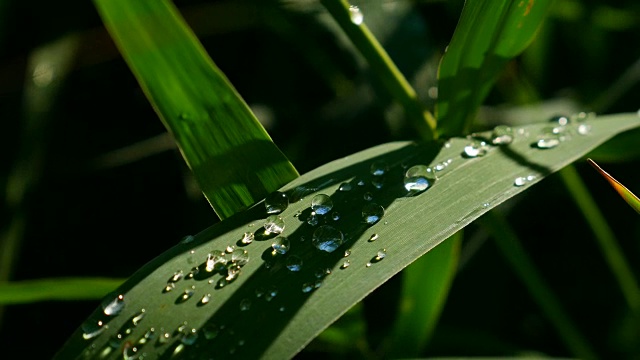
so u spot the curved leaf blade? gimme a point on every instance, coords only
(231, 155)
(629, 197)
(488, 35)
(280, 324)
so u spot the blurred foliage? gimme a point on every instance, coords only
(85, 152)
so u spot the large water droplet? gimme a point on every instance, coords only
(276, 202)
(356, 15)
(476, 148)
(327, 238)
(215, 261)
(418, 178)
(372, 213)
(92, 328)
(273, 224)
(247, 238)
(294, 263)
(113, 307)
(378, 168)
(321, 204)
(502, 135)
(240, 257)
(281, 245)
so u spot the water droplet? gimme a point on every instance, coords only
(547, 142)
(335, 216)
(522, 180)
(368, 196)
(372, 213)
(229, 249)
(313, 219)
(276, 202)
(345, 187)
(194, 271)
(215, 261)
(294, 263)
(345, 264)
(502, 135)
(248, 238)
(92, 328)
(559, 120)
(307, 287)
(347, 252)
(418, 178)
(177, 276)
(361, 183)
(205, 299)
(187, 239)
(368, 264)
(441, 166)
(282, 308)
(210, 331)
(381, 254)
(259, 292)
(373, 237)
(378, 168)
(245, 305)
(148, 336)
(327, 238)
(322, 272)
(186, 295)
(271, 293)
(164, 338)
(378, 182)
(321, 204)
(113, 307)
(356, 15)
(584, 129)
(317, 284)
(273, 224)
(189, 337)
(137, 318)
(281, 245)
(233, 271)
(240, 257)
(170, 286)
(129, 352)
(476, 148)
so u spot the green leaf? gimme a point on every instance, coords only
(28, 291)
(281, 324)
(488, 35)
(232, 157)
(622, 190)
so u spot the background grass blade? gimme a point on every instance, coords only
(425, 285)
(264, 313)
(488, 35)
(28, 291)
(627, 195)
(230, 154)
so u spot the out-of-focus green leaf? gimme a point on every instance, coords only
(29, 291)
(231, 155)
(488, 35)
(425, 285)
(272, 312)
(625, 193)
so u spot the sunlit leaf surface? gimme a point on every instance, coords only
(271, 311)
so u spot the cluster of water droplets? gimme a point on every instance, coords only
(561, 128)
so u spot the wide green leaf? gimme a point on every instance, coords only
(489, 33)
(269, 311)
(231, 155)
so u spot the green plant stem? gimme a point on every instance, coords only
(514, 253)
(29, 291)
(382, 66)
(604, 235)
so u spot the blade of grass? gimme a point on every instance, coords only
(517, 258)
(383, 67)
(281, 324)
(604, 236)
(231, 155)
(622, 190)
(29, 291)
(425, 287)
(488, 35)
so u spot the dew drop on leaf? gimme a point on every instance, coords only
(476, 148)
(356, 15)
(189, 337)
(113, 307)
(327, 238)
(372, 213)
(273, 224)
(378, 168)
(247, 238)
(321, 204)
(502, 135)
(294, 263)
(92, 328)
(281, 245)
(418, 178)
(240, 257)
(245, 305)
(138, 317)
(276, 202)
(345, 264)
(345, 187)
